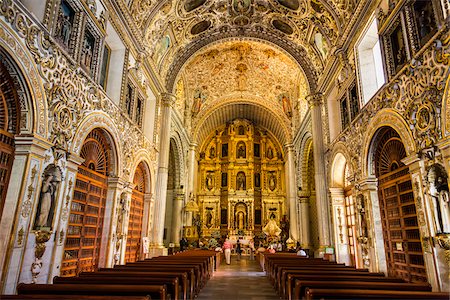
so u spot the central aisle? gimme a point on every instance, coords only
(242, 279)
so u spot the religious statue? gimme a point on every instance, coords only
(272, 181)
(240, 181)
(241, 153)
(86, 54)
(271, 229)
(209, 218)
(47, 198)
(66, 29)
(212, 152)
(439, 191)
(269, 154)
(209, 181)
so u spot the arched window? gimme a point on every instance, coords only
(84, 232)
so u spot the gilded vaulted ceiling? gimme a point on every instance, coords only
(171, 27)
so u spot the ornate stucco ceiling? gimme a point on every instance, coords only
(309, 27)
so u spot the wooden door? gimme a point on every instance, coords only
(9, 120)
(398, 211)
(136, 215)
(84, 232)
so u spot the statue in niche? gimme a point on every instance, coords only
(209, 218)
(272, 181)
(398, 47)
(86, 53)
(241, 130)
(240, 181)
(212, 152)
(269, 153)
(224, 150)
(47, 198)
(64, 24)
(209, 181)
(439, 191)
(241, 153)
(257, 180)
(425, 20)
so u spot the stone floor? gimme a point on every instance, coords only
(242, 279)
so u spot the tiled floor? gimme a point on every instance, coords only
(242, 279)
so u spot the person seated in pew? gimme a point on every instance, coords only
(302, 252)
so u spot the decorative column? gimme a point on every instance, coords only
(323, 216)
(167, 101)
(291, 191)
(177, 225)
(305, 236)
(340, 226)
(370, 229)
(191, 169)
(147, 224)
(123, 220)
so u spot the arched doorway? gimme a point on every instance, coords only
(402, 241)
(84, 232)
(9, 126)
(343, 203)
(136, 215)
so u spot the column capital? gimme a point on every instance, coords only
(193, 146)
(74, 161)
(168, 99)
(369, 183)
(289, 146)
(315, 99)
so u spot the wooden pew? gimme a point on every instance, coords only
(124, 270)
(172, 283)
(313, 293)
(289, 284)
(71, 297)
(281, 279)
(181, 276)
(301, 285)
(155, 291)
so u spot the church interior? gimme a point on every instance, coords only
(131, 128)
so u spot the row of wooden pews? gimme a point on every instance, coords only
(179, 276)
(296, 277)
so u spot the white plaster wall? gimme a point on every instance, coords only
(37, 8)
(116, 63)
(148, 123)
(334, 116)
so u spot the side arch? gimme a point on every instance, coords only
(103, 121)
(339, 158)
(384, 118)
(143, 157)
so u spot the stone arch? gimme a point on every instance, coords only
(384, 118)
(143, 157)
(175, 140)
(302, 158)
(103, 121)
(297, 52)
(33, 104)
(339, 159)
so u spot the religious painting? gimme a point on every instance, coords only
(354, 102)
(197, 102)
(398, 47)
(209, 180)
(241, 130)
(64, 25)
(224, 150)
(240, 181)
(162, 47)
(256, 150)
(272, 180)
(88, 50)
(286, 104)
(425, 20)
(105, 66)
(241, 6)
(241, 150)
(321, 44)
(269, 153)
(212, 152)
(47, 198)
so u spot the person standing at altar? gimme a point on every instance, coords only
(227, 249)
(251, 245)
(238, 249)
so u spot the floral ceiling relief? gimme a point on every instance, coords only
(195, 20)
(245, 70)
